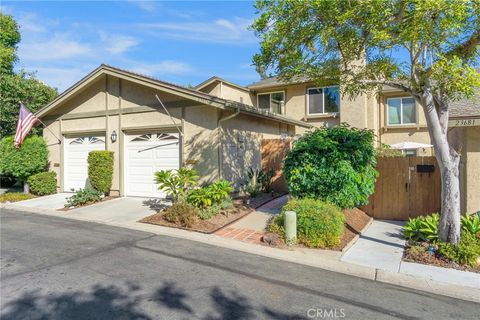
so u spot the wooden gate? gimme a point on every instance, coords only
(273, 156)
(407, 187)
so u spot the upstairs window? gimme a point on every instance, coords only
(272, 102)
(401, 111)
(323, 100)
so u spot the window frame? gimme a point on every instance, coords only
(401, 112)
(323, 96)
(270, 100)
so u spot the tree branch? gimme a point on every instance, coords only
(467, 48)
(388, 83)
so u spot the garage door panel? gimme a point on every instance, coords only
(146, 154)
(75, 159)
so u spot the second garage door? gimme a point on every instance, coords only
(146, 154)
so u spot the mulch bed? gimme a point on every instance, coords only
(106, 198)
(413, 254)
(220, 220)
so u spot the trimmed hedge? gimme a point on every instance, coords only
(319, 224)
(100, 170)
(43, 183)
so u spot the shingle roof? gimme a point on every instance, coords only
(466, 107)
(275, 82)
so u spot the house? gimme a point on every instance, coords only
(217, 126)
(394, 117)
(117, 110)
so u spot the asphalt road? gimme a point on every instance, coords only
(53, 268)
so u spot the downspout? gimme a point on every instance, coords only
(220, 149)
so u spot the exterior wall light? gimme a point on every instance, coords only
(113, 137)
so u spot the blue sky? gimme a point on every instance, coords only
(182, 42)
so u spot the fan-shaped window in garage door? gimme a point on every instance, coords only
(87, 141)
(152, 137)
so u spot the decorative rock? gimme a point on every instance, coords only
(272, 239)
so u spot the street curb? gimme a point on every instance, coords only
(322, 259)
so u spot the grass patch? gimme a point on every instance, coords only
(15, 196)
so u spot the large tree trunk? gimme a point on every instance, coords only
(448, 160)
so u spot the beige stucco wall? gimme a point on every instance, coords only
(110, 104)
(226, 91)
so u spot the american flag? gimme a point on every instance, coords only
(26, 120)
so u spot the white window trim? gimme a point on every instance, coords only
(323, 96)
(270, 100)
(401, 112)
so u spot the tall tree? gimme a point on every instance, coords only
(358, 44)
(15, 87)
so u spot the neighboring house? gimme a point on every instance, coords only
(117, 110)
(393, 115)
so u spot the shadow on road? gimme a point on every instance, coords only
(115, 302)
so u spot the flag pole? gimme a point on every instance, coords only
(59, 140)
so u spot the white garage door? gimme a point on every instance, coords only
(146, 154)
(75, 160)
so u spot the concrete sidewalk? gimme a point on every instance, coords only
(380, 246)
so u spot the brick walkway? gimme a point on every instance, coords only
(245, 235)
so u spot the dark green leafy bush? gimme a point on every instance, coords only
(319, 224)
(467, 251)
(100, 170)
(333, 164)
(258, 180)
(83, 196)
(182, 213)
(21, 163)
(423, 228)
(43, 183)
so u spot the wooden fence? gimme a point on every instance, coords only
(273, 156)
(407, 187)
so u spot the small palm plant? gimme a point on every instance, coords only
(176, 183)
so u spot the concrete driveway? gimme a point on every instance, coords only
(119, 210)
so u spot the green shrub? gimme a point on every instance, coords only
(209, 195)
(182, 213)
(334, 164)
(15, 196)
(43, 183)
(21, 163)
(83, 196)
(319, 224)
(100, 170)
(423, 228)
(258, 180)
(467, 252)
(207, 213)
(471, 223)
(176, 183)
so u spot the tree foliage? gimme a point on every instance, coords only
(21, 163)
(15, 87)
(428, 49)
(333, 164)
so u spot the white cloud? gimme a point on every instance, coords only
(62, 78)
(60, 46)
(117, 43)
(234, 31)
(148, 6)
(165, 67)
